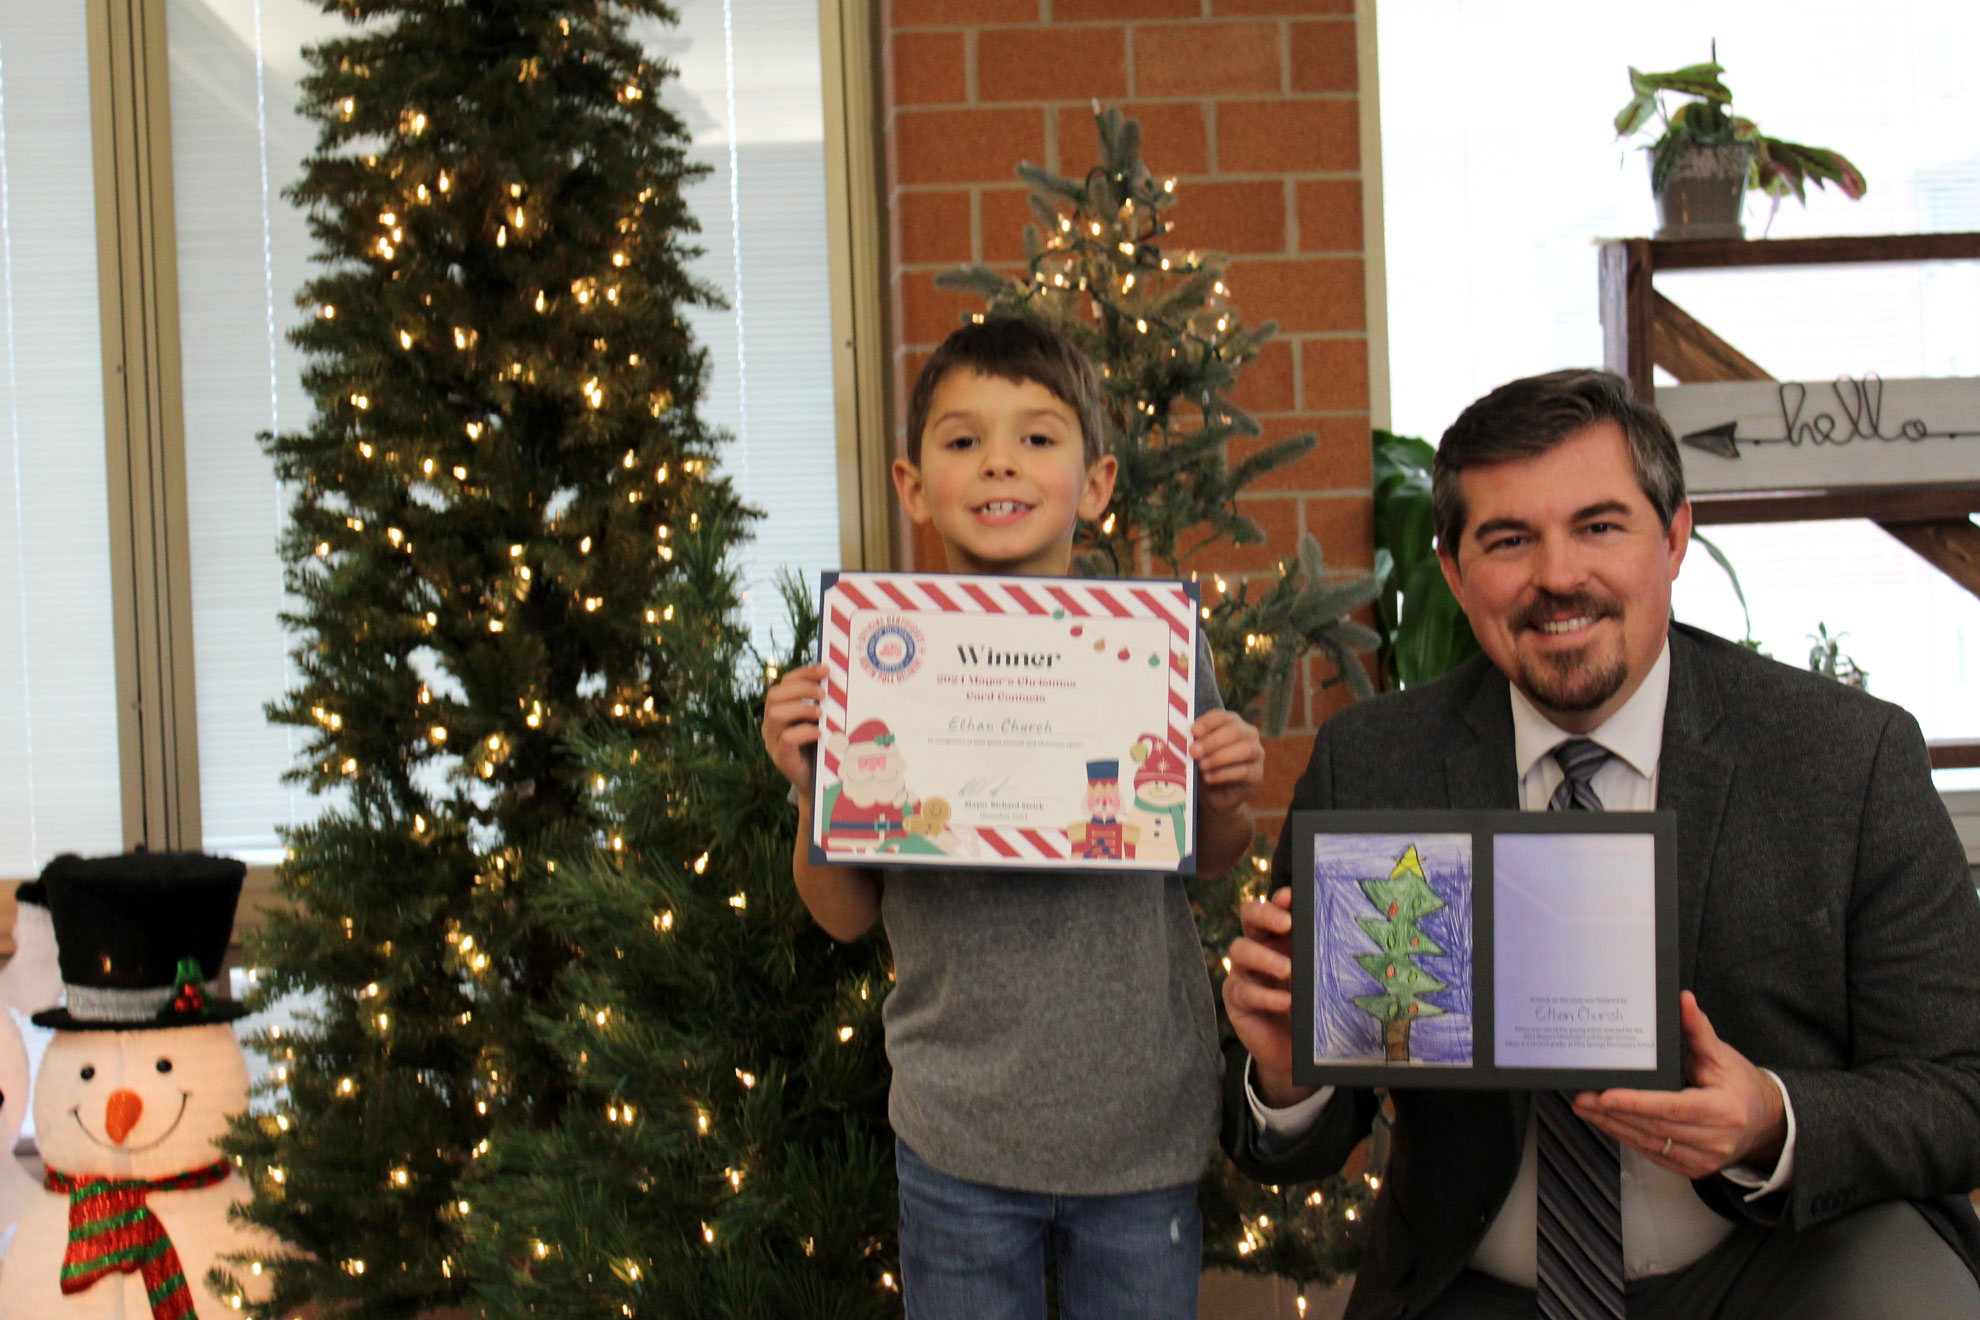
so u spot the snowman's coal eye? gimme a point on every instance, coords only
(89, 1071)
(164, 1065)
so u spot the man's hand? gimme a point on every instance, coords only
(1230, 759)
(1730, 1114)
(1258, 996)
(790, 723)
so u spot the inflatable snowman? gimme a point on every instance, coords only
(28, 982)
(134, 1092)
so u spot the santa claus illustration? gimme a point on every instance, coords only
(872, 802)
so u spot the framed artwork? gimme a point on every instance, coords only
(1492, 950)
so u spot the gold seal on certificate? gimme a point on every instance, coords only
(1007, 721)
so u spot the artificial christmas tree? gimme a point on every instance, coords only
(519, 685)
(1160, 325)
(725, 1151)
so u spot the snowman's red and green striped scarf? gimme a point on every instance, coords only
(112, 1231)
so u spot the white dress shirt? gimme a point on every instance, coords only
(1665, 1226)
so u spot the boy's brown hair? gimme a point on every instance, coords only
(1014, 350)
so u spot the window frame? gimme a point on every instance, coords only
(144, 417)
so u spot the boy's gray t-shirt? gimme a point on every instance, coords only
(1052, 1031)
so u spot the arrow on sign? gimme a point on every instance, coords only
(1716, 440)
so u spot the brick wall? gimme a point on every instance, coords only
(1252, 105)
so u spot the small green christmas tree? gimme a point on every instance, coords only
(1403, 900)
(1160, 325)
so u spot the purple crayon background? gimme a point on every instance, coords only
(1342, 1033)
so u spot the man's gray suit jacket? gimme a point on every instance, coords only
(1827, 923)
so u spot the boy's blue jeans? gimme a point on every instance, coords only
(971, 1252)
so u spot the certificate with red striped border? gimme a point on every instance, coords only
(1007, 721)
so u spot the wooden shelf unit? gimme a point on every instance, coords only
(1643, 330)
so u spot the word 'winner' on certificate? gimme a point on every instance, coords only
(1006, 721)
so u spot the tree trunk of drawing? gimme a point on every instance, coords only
(1395, 1041)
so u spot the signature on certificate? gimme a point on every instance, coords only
(984, 787)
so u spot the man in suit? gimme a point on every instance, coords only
(1816, 1162)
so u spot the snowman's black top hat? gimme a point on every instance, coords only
(140, 939)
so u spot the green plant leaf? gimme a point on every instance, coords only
(1638, 113)
(1700, 80)
(1732, 575)
(1433, 635)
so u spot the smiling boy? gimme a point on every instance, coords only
(1052, 1034)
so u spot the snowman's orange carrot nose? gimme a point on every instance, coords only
(121, 1114)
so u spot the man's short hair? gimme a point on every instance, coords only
(1526, 418)
(1014, 350)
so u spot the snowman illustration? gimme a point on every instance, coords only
(1161, 798)
(134, 1092)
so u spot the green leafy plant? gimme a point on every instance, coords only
(1827, 658)
(1706, 120)
(1423, 631)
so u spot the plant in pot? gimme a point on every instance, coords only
(1706, 157)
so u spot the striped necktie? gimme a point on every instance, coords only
(1579, 1248)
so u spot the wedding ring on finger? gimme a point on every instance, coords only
(1667, 1148)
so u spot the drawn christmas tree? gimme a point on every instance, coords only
(1404, 899)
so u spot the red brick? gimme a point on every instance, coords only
(1327, 213)
(932, 227)
(1334, 374)
(1082, 11)
(1288, 137)
(1302, 294)
(1174, 138)
(952, 13)
(1199, 59)
(1266, 8)
(1002, 214)
(1340, 459)
(965, 146)
(1051, 64)
(1323, 56)
(1330, 698)
(1344, 525)
(1285, 760)
(1246, 215)
(1278, 515)
(928, 314)
(1265, 384)
(928, 68)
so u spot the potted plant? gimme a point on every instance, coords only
(1706, 157)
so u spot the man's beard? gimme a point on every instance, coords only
(1578, 680)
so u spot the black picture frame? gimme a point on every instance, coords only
(1492, 1064)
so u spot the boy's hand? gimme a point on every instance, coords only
(790, 723)
(1230, 758)
(1258, 997)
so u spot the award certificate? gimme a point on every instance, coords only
(1006, 721)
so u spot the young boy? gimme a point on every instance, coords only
(1052, 1036)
